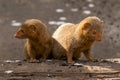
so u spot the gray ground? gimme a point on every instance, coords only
(11, 49)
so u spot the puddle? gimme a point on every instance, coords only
(59, 10)
(60, 22)
(56, 22)
(52, 22)
(91, 5)
(15, 23)
(89, 0)
(63, 18)
(87, 12)
(9, 61)
(74, 9)
(12, 61)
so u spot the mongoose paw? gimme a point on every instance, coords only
(42, 60)
(32, 60)
(71, 62)
(93, 60)
(24, 59)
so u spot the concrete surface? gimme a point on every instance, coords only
(14, 12)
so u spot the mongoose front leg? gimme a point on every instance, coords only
(88, 55)
(46, 52)
(69, 58)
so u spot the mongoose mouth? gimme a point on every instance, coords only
(16, 36)
(98, 39)
(19, 37)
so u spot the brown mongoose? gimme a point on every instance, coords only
(39, 41)
(70, 40)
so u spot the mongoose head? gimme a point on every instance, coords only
(93, 28)
(29, 29)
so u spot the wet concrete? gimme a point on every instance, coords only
(45, 10)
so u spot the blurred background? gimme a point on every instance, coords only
(54, 13)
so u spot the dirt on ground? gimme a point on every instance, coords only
(54, 13)
(60, 70)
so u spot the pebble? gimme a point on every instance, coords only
(2, 65)
(78, 64)
(59, 71)
(50, 75)
(8, 71)
(64, 64)
(67, 5)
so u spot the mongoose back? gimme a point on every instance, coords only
(70, 40)
(39, 40)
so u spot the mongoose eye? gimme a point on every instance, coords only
(22, 31)
(94, 32)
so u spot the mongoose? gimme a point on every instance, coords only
(70, 40)
(39, 40)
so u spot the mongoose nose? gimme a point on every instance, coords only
(99, 39)
(15, 36)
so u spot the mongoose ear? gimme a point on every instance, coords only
(86, 26)
(102, 21)
(33, 27)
